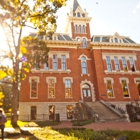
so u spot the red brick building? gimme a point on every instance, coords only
(81, 67)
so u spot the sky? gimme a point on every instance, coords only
(108, 17)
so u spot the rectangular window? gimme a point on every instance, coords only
(131, 63)
(51, 87)
(125, 88)
(68, 88)
(138, 86)
(108, 63)
(109, 89)
(63, 62)
(69, 109)
(37, 66)
(34, 88)
(54, 62)
(46, 66)
(116, 64)
(124, 64)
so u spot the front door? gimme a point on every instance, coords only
(86, 93)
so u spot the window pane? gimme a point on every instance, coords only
(116, 40)
(132, 63)
(69, 111)
(34, 88)
(116, 63)
(84, 92)
(63, 62)
(89, 94)
(76, 29)
(68, 88)
(80, 31)
(108, 63)
(124, 64)
(125, 88)
(84, 43)
(84, 29)
(46, 66)
(138, 86)
(51, 86)
(109, 89)
(83, 58)
(84, 69)
(54, 62)
(78, 14)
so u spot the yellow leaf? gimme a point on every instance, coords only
(23, 50)
(2, 74)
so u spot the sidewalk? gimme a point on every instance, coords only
(135, 126)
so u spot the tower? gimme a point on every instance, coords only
(78, 23)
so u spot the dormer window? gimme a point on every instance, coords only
(54, 37)
(78, 14)
(116, 40)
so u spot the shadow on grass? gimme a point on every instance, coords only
(18, 134)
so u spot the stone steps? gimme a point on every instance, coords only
(104, 113)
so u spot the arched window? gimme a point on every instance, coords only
(78, 39)
(84, 29)
(84, 43)
(80, 30)
(78, 14)
(76, 29)
(84, 65)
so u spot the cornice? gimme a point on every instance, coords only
(87, 19)
(62, 44)
(118, 46)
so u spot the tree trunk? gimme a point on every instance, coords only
(14, 117)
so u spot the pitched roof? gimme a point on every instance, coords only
(102, 38)
(75, 5)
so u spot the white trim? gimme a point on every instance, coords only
(136, 79)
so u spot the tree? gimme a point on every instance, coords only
(15, 15)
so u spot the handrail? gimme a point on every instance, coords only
(120, 111)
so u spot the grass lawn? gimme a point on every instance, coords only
(47, 133)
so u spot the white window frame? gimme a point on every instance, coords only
(84, 61)
(71, 80)
(132, 62)
(63, 62)
(126, 79)
(55, 62)
(108, 63)
(47, 81)
(112, 83)
(116, 63)
(30, 81)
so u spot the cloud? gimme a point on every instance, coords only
(134, 12)
(136, 8)
(138, 5)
